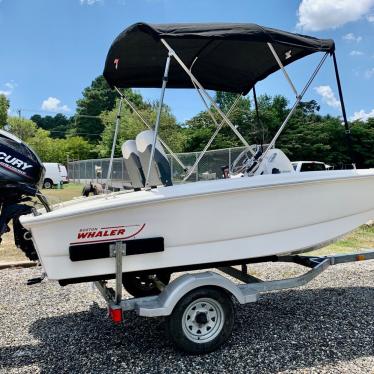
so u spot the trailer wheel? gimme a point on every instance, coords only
(202, 320)
(141, 285)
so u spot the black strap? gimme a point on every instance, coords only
(346, 123)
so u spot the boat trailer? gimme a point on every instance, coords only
(199, 306)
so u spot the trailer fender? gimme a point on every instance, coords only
(163, 304)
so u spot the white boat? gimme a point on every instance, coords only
(263, 210)
(207, 222)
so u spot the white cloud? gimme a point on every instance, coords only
(89, 2)
(356, 53)
(350, 37)
(362, 115)
(317, 15)
(53, 104)
(10, 86)
(370, 17)
(328, 96)
(369, 73)
(5, 92)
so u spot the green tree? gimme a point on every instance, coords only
(272, 112)
(363, 143)
(310, 136)
(75, 147)
(58, 150)
(4, 106)
(23, 128)
(97, 98)
(58, 126)
(48, 148)
(201, 127)
(131, 126)
(225, 100)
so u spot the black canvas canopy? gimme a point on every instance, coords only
(226, 56)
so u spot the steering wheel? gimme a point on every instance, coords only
(246, 161)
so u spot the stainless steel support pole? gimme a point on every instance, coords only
(206, 105)
(275, 54)
(114, 144)
(299, 98)
(157, 124)
(133, 108)
(198, 84)
(197, 170)
(219, 127)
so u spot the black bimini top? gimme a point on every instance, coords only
(231, 57)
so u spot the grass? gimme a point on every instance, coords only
(8, 251)
(359, 239)
(362, 238)
(68, 192)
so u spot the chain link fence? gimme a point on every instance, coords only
(209, 167)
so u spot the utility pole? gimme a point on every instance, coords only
(19, 113)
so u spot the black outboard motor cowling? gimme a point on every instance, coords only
(21, 173)
(18, 162)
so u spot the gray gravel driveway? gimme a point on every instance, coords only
(325, 327)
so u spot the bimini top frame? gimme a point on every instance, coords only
(224, 57)
(230, 57)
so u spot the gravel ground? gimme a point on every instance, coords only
(326, 327)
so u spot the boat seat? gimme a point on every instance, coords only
(160, 167)
(133, 164)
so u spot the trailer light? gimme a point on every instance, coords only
(360, 258)
(115, 315)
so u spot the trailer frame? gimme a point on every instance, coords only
(249, 291)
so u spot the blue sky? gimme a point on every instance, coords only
(52, 49)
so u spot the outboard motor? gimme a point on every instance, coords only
(21, 172)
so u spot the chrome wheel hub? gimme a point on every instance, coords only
(203, 320)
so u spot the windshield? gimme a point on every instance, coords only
(312, 166)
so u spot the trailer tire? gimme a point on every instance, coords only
(141, 285)
(201, 321)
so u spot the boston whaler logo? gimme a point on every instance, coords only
(13, 163)
(103, 234)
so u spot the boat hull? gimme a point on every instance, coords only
(211, 222)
